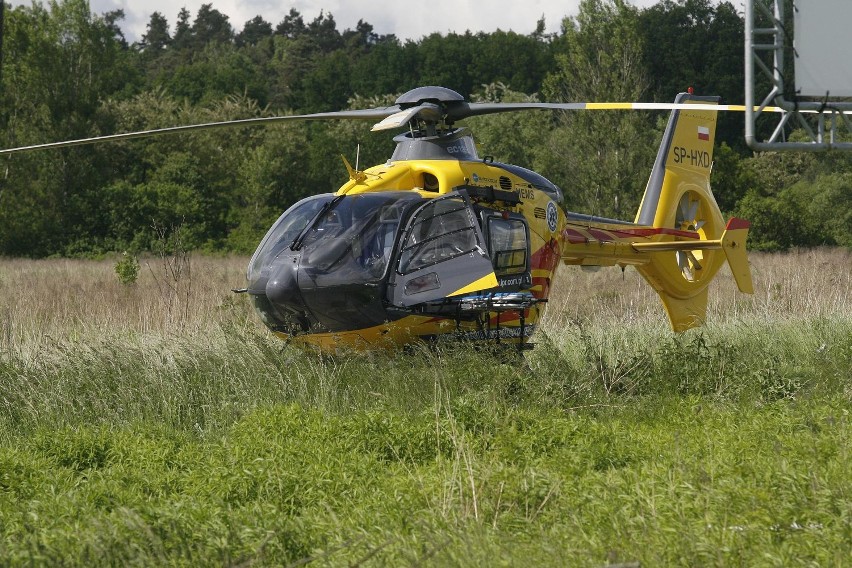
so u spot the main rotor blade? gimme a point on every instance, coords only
(459, 110)
(464, 110)
(363, 114)
(392, 117)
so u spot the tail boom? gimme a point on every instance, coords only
(649, 250)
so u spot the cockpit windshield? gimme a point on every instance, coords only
(354, 234)
(353, 240)
(288, 226)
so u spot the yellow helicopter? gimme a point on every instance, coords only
(439, 241)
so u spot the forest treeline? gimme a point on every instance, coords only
(70, 73)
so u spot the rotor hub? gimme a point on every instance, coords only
(429, 94)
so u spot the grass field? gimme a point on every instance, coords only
(158, 423)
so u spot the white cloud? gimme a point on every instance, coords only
(408, 20)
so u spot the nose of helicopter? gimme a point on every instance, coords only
(282, 288)
(293, 295)
(277, 298)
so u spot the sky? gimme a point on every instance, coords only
(405, 18)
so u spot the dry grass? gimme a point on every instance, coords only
(48, 301)
(805, 284)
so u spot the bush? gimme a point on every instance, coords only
(127, 268)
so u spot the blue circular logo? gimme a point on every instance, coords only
(552, 217)
(475, 178)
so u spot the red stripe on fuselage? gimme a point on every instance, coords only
(602, 236)
(573, 236)
(653, 231)
(546, 258)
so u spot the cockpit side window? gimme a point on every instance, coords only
(509, 246)
(443, 230)
(441, 254)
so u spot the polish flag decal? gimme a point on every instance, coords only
(703, 133)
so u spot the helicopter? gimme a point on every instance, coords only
(439, 242)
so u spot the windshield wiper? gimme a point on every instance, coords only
(300, 238)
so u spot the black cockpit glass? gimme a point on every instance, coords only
(288, 226)
(509, 245)
(353, 240)
(443, 230)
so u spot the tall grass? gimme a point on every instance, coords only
(51, 301)
(794, 286)
(74, 337)
(47, 301)
(142, 427)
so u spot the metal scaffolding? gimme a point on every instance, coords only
(768, 44)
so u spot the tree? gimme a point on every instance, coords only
(111, 20)
(323, 33)
(601, 159)
(212, 73)
(797, 199)
(325, 87)
(157, 37)
(361, 38)
(254, 31)
(730, 178)
(211, 26)
(68, 73)
(696, 43)
(388, 67)
(292, 26)
(519, 61)
(183, 33)
(445, 60)
(193, 180)
(61, 64)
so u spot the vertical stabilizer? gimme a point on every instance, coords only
(685, 158)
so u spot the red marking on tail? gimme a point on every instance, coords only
(736, 223)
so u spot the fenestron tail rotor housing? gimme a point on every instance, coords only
(689, 217)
